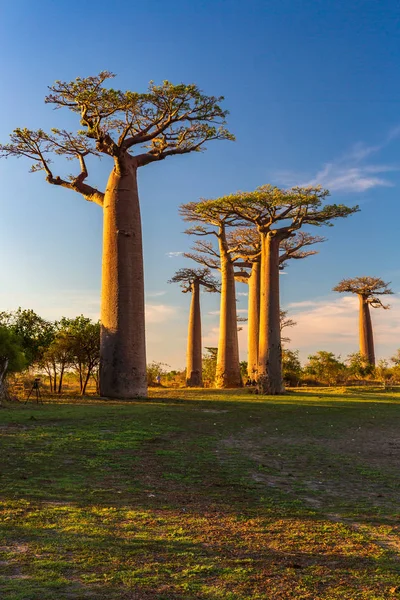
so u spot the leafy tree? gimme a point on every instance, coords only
(291, 366)
(83, 336)
(325, 367)
(34, 333)
(12, 358)
(57, 358)
(357, 367)
(278, 214)
(367, 289)
(382, 371)
(210, 364)
(191, 280)
(165, 120)
(155, 370)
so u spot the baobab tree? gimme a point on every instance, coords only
(211, 223)
(367, 289)
(191, 280)
(164, 121)
(267, 207)
(247, 242)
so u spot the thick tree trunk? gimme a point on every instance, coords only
(122, 348)
(365, 329)
(270, 349)
(194, 376)
(253, 320)
(228, 368)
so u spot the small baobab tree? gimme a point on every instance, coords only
(211, 223)
(191, 280)
(164, 121)
(277, 214)
(368, 290)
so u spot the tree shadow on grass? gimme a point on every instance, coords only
(240, 562)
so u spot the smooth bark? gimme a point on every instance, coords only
(253, 320)
(123, 352)
(365, 330)
(270, 348)
(228, 368)
(194, 376)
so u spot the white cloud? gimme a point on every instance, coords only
(156, 294)
(158, 313)
(332, 324)
(242, 294)
(54, 305)
(349, 173)
(173, 254)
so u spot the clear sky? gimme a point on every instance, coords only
(313, 90)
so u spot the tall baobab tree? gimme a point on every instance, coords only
(191, 280)
(247, 242)
(164, 121)
(367, 289)
(268, 207)
(211, 223)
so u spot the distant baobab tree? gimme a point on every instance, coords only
(164, 121)
(367, 289)
(191, 280)
(247, 242)
(212, 223)
(277, 214)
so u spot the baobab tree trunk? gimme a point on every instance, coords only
(253, 320)
(227, 373)
(270, 349)
(194, 377)
(365, 329)
(122, 348)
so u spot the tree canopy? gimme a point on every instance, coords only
(165, 120)
(187, 277)
(368, 287)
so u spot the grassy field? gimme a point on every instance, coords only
(202, 494)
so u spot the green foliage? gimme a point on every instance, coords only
(357, 367)
(154, 370)
(326, 368)
(291, 366)
(165, 120)
(34, 333)
(11, 352)
(210, 364)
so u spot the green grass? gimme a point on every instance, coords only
(202, 494)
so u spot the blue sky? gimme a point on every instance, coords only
(313, 90)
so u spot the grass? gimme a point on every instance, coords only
(202, 494)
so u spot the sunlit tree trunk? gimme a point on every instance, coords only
(194, 376)
(253, 320)
(122, 352)
(228, 368)
(365, 329)
(270, 349)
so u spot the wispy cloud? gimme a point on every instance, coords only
(156, 294)
(173, 254)
(158, 313)
(350, 172)
(332, 324)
